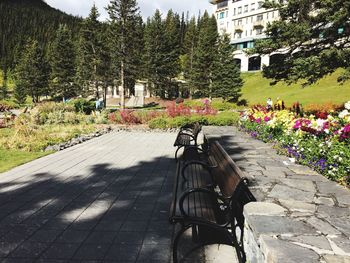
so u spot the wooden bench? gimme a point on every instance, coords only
(208, 197)
(187, 136)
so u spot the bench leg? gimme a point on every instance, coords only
(177, 151)
(176, 241)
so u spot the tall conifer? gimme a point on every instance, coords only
(32, 73)
(63, 58)
(203, 56)
(124, 17)
(226, 79)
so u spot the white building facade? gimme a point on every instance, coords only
(245, 21)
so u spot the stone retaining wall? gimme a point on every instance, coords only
(300, 215)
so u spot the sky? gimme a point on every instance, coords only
(147, 7)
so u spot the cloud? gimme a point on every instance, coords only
(147, 7)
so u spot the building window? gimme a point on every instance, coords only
(222, 15)
(246, 20)
(250, 44)
(252, 7)
(259, 18)
(246, 9)
(238, 34)
(267, 15)
(239, 11)
(234, 11)
(259, 31)
(273, 14)
(260, 4)
(239, 22)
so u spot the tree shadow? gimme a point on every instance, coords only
(107, 215)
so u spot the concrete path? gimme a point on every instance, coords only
(106, 200)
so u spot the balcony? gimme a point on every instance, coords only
(239, 28)
(259, 24)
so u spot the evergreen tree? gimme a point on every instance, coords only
(21, 20)
(312, 37)
(124, 18)
(32, 72)
(3, 87)
(171, 64)
(226, 79)
(106, 67)
(188, 46)
(203, 56)
(156, 54)
(89, 52)
(63, 58)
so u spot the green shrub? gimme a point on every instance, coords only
(221, 105)
(223, 119)
(159, 123)
(83, 105)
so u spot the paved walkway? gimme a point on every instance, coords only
(106, 200)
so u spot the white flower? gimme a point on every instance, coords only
(347, 105)
(343, 114)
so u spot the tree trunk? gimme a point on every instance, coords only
(105, 95)
(122, 91)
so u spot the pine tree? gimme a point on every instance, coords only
(203, 56)
(189, 45)
(124, 16)
(89, 52)
(63, 58)
(32, 72)
(172, 53)
(226, 79)
(312, 38)
(106, 67)
(156, 54)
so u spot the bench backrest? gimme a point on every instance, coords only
(227, 174)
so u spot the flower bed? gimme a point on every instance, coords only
(319, 140)
(176, 115)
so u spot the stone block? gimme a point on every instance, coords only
(336, 259)
(264, 209)
(277, 225)
(320, 242)
(307, 186)
(289, 193)
(298, 206)
(322, 227)
(278, 251)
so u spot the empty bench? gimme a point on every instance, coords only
(209, 194)
(187, 136)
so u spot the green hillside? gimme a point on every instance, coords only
(257, 89)
(24, 19)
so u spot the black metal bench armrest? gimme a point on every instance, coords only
(189, 163)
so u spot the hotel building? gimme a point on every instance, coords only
(245, 21)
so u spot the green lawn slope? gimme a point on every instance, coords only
(257, 89)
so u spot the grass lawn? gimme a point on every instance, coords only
(12, 158)
(257, 89)
(17, 149)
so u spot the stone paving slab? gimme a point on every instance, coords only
(305, 217)
(105, 200)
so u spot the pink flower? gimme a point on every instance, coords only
(267, 119)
